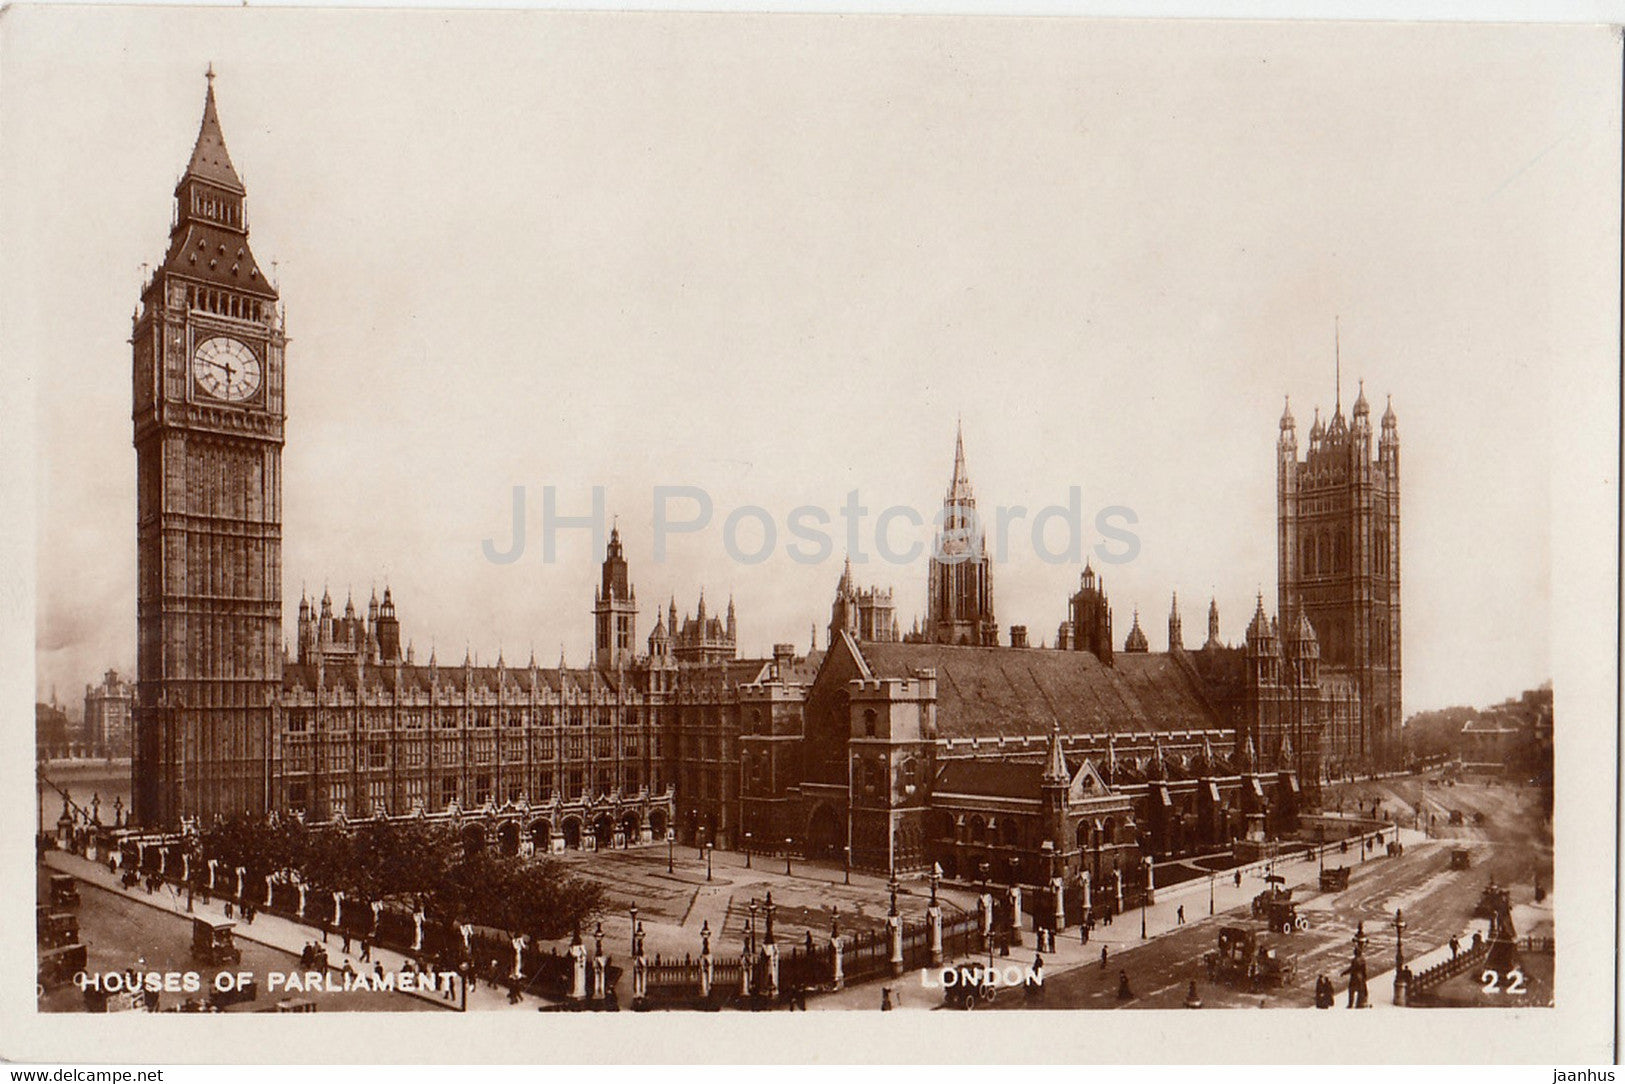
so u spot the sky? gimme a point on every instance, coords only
(780, 260)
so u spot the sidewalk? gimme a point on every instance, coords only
(274, 931)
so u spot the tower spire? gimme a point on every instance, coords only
(1337, 362)
(210, 162)
(959, 487)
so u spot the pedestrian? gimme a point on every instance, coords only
(378, 969)
(366, 949)
(1123, 991)
(1455, 946)
(1181, 914)
(885, 999)
(345, 946)
(1238, 878)
(1083, 930)
(228, 909)
(1103, 957)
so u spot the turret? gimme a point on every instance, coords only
(1136, 642)
(1212, 623)
(1176, 640)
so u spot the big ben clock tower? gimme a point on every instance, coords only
(208, 352)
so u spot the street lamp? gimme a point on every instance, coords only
(892, 886)
(670, 858)
(747, 850)
(1210, 879)
(1145, 895)
(708, 861)
(634, 910)
(598, 939)
(788, 843)
(936, 876)
(846, 873)
(768, 935)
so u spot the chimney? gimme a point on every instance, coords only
(784, 656)
(1018, 635)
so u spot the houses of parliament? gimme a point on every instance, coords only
(948, 744)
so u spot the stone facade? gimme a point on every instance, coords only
(107, 723)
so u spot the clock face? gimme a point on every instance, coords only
(226, 369)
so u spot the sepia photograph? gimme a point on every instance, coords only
(673, 514)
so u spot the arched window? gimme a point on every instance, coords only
(1342, 550)
(870, 727)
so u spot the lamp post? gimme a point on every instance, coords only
(750, 925)
(788, 843)
(1145, 895)
(846, 872)
(1210, 879)
(936, 876)
(747, 850)
(670, 856)
(892, 886)
(708, 861)
(634, 910)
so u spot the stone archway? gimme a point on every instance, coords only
(657, 823)
(571, 829)
(473, 836)
(541, 835)
(631, 827)
(825, 836)
(603, 829)
(508, 838)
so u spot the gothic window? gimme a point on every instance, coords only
(910, 775)
(869, 725)
(1323, 553)
(1342, 550)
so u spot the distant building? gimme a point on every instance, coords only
(107, 726)
(52, 736)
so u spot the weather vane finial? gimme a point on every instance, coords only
(209, 73)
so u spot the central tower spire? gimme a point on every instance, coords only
(959, 587)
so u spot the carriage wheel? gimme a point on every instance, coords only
(1286, 927)
(1302, 923)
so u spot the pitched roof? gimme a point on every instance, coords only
(210, 253)
(992, 691)
(990, 778)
